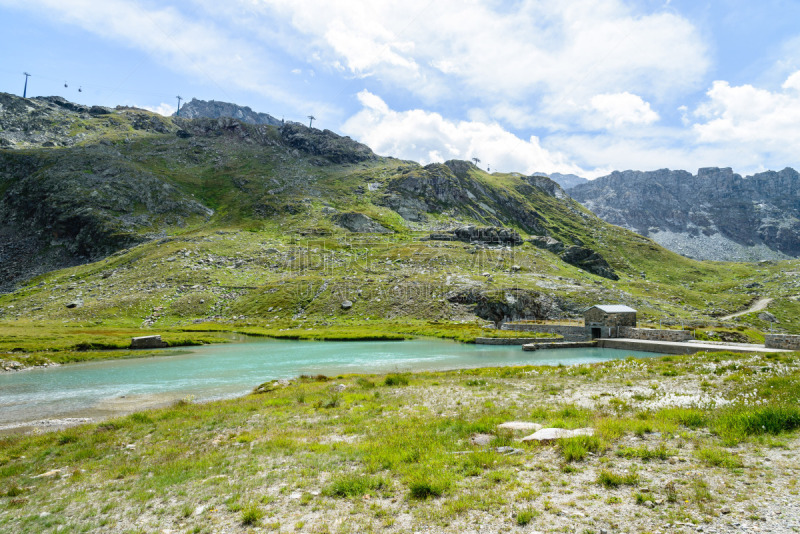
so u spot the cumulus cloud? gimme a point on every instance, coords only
(162, 109)
(207, 50)
(760, 120)
(574, 49)
(623, 109)
(428, 137)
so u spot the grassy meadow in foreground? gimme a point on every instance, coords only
(678, 440)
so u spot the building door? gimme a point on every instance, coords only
(596, 332)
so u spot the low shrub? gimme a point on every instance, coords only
(395, 379)
(353, 485)
(423, 486)
(252, 514)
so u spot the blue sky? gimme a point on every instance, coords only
(580, 86)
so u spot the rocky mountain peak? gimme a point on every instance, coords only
(212, 109)
(713, 215)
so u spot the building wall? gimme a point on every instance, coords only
(652, 334)
(570, 333)
(782, 341)
(597, 317)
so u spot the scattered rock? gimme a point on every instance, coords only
(481, 440)
(508, 451)
(51, 474)
(359, 223)
(77, 303)
(523, 426)
(346, 304)
(768, 317)
(552, 434)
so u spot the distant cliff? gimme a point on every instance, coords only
(196, 109)
(566, 181)
(714, 215)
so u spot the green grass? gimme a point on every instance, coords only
(645, 453)
(611, 480)
(576, 448)
(409, 445)
(719, 457)
(354, 485)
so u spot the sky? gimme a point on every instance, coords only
(571, 86)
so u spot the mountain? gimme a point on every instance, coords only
(713, 215)
(195, 109)
(125, 217)
(566, 181)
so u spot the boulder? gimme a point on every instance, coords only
(589, 260)
(522, 426)
(552, 434)
(768, 317)
(147, 342)
(346, 304)
(481, 440)
(548, 243)
(359, 223)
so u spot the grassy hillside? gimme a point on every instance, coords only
(178, 224)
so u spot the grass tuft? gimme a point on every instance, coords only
(354, 485)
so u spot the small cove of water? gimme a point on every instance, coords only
(100, 389)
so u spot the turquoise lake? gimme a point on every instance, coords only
(107, 388)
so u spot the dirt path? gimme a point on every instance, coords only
(758, 306)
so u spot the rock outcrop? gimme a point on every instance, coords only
(715, 215)
(507, 305)
(359, 223)
(566, 181)
(195, 109)
(453, 188)
(325, 143)
(589, 260)
(490, 235)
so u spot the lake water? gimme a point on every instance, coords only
(106, 388)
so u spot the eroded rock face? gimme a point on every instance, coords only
(325, 143)
(756, 217)
(212, 109)
(359, 223)
(548, 243)
(508, 305)
(450, 187)
(589, 260)
(485, 235)
(72, 206)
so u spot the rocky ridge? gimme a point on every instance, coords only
(212, 109)
(713, 215)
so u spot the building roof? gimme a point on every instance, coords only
(613, 308)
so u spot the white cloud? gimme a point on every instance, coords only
(758, 120)
(208, 50)
(428, 137)
(502, 51)
(623, 109)
(162, 109)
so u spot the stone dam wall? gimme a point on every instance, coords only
(653, 334)
(782, 341)
(509, 340)
(569, 333)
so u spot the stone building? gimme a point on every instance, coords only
(604, 320)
